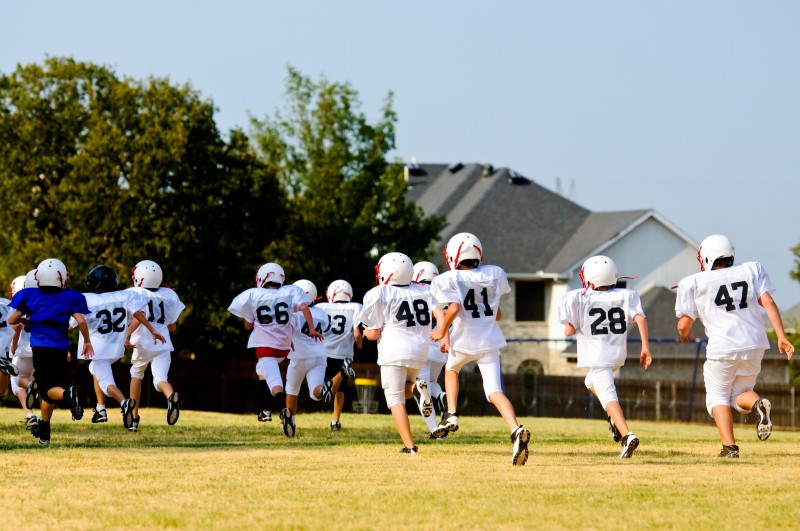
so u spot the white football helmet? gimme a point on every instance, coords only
(394, 269)
(51, 272)
(308, 287)
(713, 247)
(339, 291)
(270, 272)
(16, 285)
(147, 274)
(462, 246)
(425, 272)
(599, 271)
(30, 279)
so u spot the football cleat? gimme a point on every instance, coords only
(327, 391)
(31, 422)
(729, 451)
(335, 426)
(173, 408)
(8, 368)
(99, 416)
(347, 369)
(265, 415)
(32, 395)
(436, 437)
(423, 397)
(764, 427)
(449, 422)
(520, 437)
(127, 412)
(134, 424)
(43, 433)
(629, 443)
(71, 397)
(287, 419)
(614, 431)
(407, 450)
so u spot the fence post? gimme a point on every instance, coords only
(658, 401)
(674, 402)
(792, 408)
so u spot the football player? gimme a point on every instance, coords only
(163, 309)
(22, 384)
(397, 314)
(307, 359)
(267, 311)
(598, 314)
(472, 292)
(424, 273)
(47, 310)
(111, 313)
(343, 334)
(726, 297)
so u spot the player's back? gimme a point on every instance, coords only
(270, 311)
(726, 301)
(163, 307)
(345, 316)
(304, 345)
(110, 315)
(478, 291)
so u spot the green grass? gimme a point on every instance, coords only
(231, 472)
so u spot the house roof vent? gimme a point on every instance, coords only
(488, 170)
(516, 178)
(455, 167)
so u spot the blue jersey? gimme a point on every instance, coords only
(49, 314)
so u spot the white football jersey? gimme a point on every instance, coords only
(434, 354)
(726, 301)
(304, 345)
(601, 321)
(270, 311)
(6, 330)
(478, 291)
(110, 315)
(163, 307)
(345, 317)
(403, 313)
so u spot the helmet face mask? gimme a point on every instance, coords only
(712, 248)
(308, 287)
(394, 269)
(339, 291)
(147, 274)
(51, 273)
(425, 272)
(461, 247)
(102, 279)
(270, 272)
(599, 271)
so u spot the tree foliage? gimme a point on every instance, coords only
(346, 202)
(98, 169)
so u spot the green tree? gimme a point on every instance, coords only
(346, 201)
(98, 169)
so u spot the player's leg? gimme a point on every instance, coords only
(294, 380)
(139, 364)
(437, 392)
(455, 362)
(315, 378)
(430, 420)
(396, 385)
(160, 366)
(333, 374)
(270, 369)
(18, 387)
(746, 400)
(104, 380)
(718, 376)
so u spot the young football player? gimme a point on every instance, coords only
(111, 313)
(307, 358)
(22, 384)
(726, 297)
(7, 368)
(48, 309)
(598, 314)
(163, 309)
(267, 311)
(471, 292)
(397, 314)
(424, 273)
(339, 340)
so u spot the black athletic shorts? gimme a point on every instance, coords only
(50, 370)
(333, 368)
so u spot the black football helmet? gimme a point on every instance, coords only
(102, 279)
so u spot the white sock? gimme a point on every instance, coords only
(101, 407)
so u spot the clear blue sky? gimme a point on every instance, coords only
(690, 108)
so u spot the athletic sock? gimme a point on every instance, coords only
(100, 407)
(266, 396)
(280, 400)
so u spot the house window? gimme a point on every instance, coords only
(530, 301)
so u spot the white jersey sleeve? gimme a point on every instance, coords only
(403, 314)
(601, 322)
(726, 301)
(478, 291)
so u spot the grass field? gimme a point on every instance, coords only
(226, 471)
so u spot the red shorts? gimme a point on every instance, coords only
(269, 352)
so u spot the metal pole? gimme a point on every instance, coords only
(658, 401)
(792, 409)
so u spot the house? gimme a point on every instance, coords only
(541, 240)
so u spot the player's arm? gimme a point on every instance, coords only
(444, 344)
(499, 314)
(16, 318)
(88, 350)
(644, 358)
(248, 325)
(131, 329)
(15, 339)
(373, 334)
(449, 316)
(358, 335)
(768, 303)
(312, 332)
(570, 330)
(140, 316)
(684, 328)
